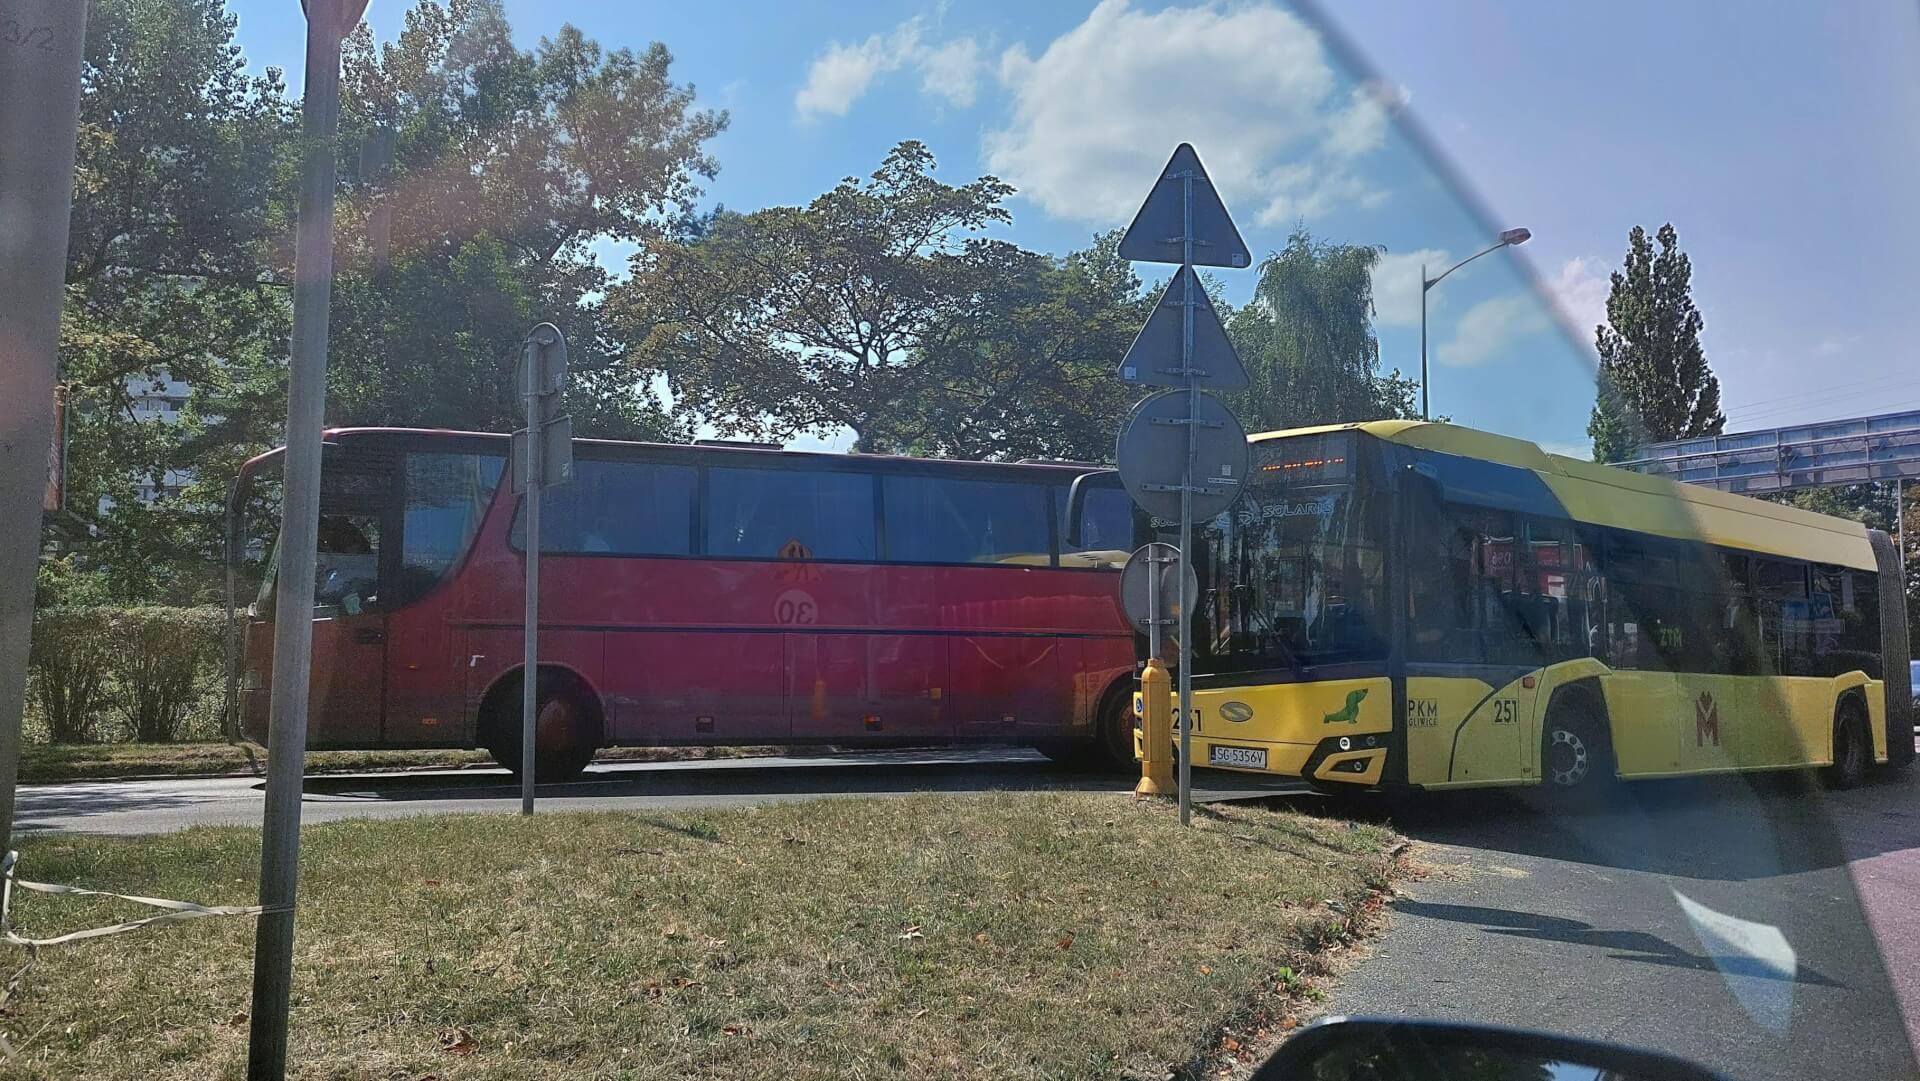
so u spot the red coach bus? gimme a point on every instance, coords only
(705, 594)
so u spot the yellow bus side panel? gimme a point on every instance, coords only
(1877, 717)
(1289, 719)
(1464, 731)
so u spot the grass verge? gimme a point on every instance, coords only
(43, 763)
(1032, 935)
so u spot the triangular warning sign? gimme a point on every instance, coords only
(1159, 229)
(1154, 356)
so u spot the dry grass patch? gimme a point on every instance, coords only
(1008, 936)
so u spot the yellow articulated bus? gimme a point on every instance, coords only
(1404, 604)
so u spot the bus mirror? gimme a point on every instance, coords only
(1077, 503)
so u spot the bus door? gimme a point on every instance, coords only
(444, 494)
(346, 703)
(1472, 658)
(1644, 641)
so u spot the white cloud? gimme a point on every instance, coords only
(952, 71)
(1361, 126)
(1396, 286)
(840, 75)
(1581, 287)
(1835, 344)
(1250, 86)
(843, 73)
(1490, 326)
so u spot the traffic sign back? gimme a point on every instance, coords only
(1152, 454)
(1156, 582)
(1154, 356)
(1159, 227)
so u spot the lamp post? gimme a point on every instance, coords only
(1509, 238)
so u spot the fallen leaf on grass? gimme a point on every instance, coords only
(1206, 970)
(1288, 1024)
(911, 933)
(239, 1018)
(737, 1030)
(1230, 1045)
(458, 1041)
(983, 938)
(1065, 942)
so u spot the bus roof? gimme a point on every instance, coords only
(721, 447)
(1624, 499)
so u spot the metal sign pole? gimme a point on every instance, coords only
(299, 528)
(39, 111)
(1186, 501)
(530, 667)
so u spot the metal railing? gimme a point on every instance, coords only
(1826, 455)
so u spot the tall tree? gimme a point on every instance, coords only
(1308, 343)
(506, 165)
(1654, 380)
(1038, 382)
(831, 315)
(180, 153)
(474, 177)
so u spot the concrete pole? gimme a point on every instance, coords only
(40, 64)
(299, 528)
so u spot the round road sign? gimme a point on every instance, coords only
(1152, 454)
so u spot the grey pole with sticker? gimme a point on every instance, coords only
(39, 113)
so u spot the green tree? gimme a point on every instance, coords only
(179, 153)
(1307, 340)
(506, 165)
(835, 314)
(1038, 381)
(1654, 382)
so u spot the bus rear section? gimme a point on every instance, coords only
(711, 595)
(1423, 605)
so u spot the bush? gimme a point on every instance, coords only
(152, 666)
(68, 663)
(165, 659)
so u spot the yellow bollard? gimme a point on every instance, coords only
(1156, 731)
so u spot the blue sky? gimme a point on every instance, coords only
(1779, 139)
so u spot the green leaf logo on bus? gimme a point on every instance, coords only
(1349, 713)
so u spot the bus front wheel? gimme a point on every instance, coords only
(1576, 762)
(1852, 746)
(566, 730)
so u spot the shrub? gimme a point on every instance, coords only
(164, 661)
(69, 662)
(152, 666)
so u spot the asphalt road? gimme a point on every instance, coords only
(160, 806)
(1768, 929)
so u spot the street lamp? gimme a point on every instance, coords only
(1508, 239)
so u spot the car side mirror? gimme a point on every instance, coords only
(1391, 1049)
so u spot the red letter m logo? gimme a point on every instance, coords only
(1706, 721)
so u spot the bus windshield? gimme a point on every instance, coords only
(1292, 575)
(387, 535)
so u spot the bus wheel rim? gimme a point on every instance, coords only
(1567, 745)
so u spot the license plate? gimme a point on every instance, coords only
(1240, 757)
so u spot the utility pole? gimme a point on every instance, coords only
(39, 119)
(327, 22)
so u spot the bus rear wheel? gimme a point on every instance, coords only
(1576, 764)
(566, 732)
(1852, 747)
(1110, 748)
